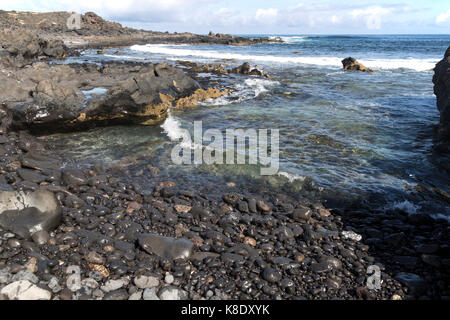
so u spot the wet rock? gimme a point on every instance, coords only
(396, 239)
(271, 275)
(25, 290)
(179, 208)
(231, 257)
(38, 161)
(283, 233)
(40, 237)
(74, 202)
(94, 257)
(28, 213)
(262, 206)
(419, 219)
(116, 295)
(166, 247)
(431, 260)
(302, 214)
(427, 248)
(414, 282)
(351, 64)
(231, 198)
(201, 213)
(332, 262)
(442, 92)
(333, 282)
(31, 175)
(321, 267)
(74, 178)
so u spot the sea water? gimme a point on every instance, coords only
(347, 135)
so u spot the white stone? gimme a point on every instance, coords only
(25, 290)
(169, 279)
(25, 275)
(150, 294)
(144, 282)
(112, 285)
(4, 277)
(172, 293)
(136, 296)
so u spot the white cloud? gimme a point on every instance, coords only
(335, 19)
(266, 15)
(311, 16)
(443, 18)
(371, 11)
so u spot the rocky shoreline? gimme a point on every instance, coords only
(95, 32)
(118, 238)
(124, 233)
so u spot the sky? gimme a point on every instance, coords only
(262, 16)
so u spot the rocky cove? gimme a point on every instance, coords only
(127, 233)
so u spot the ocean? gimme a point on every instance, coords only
(344, 136)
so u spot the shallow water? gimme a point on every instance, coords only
(352, 135)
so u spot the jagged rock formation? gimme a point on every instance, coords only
(351, 64)
(441, 80)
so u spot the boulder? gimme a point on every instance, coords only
(166, 247)
(25, 290)
(27, 213)
(441, 80)
(24, 44)
(55, 98)
(351, 64)
(245, 68)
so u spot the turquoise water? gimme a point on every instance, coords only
(351, 135)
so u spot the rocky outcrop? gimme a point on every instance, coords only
(351, 64)
(95, 32)
(246, 69)
(20, 46)
(54, 98)
(219, 69)
(166, 247)
(441, 80)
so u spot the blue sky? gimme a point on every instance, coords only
(262, 16)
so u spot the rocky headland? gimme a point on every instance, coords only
(441, 82)
(127, 233)
(95, 32)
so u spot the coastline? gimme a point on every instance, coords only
(235, 244)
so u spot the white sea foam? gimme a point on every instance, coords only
(440, 216)
(177, 51)
(123, 57)
(289, 39)
(249, 89)
(173, 130)
(291, 177)
(405, 206)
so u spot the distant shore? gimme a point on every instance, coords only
(95, 32)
